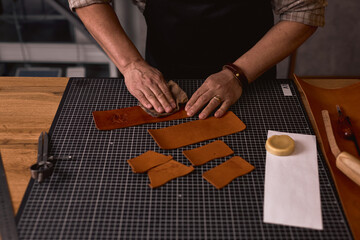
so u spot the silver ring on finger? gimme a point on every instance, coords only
(217, 98)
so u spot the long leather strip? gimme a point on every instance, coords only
(201, 155)
(223, 174)
(197, 131)
(326, 99)
(128, 117)
(165, 172)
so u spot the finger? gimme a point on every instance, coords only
(142, 99)
(189, 107)
(194, 98)
(161, 98)
(149, 95)
(209, 108)
(200, 102)
(223, 109)
(165, 89)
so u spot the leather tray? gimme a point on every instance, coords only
(326, 99)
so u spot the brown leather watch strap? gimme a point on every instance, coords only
(223, 174)
(201, 155)
(238, 74)
(166, 172)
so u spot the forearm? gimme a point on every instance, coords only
(143, 81)
(278, 43)
(103, 24)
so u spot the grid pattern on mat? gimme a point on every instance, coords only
(97, 196)
(7, 220)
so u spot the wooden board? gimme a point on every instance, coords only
(27, 107)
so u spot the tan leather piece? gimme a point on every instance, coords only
(197, 131)
(349, 99)
(179, 96)
(128, 117)
(223, 174)
(201, 155)
(166, 172)
(148, 160)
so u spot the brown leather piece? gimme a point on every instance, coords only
(197, 131)
(166, 172)
(349, 99)
(201, 155)
(223, 174)
(178, 94)
(128, 117)
(148, 160)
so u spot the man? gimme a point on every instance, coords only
(230, 43)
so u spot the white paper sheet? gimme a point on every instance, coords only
(292, 191)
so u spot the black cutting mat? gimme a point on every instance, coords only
(96, 195)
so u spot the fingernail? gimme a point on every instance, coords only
(160, 109)
(190, 114)
(201, 116)
(168, 109)
(218, 114)
(173, 104)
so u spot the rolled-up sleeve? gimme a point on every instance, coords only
(83, 3)
(309, 12)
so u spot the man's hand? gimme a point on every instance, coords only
(143, 81)
(148, 86)
(218, 89)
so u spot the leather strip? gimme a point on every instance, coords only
(148, 160)
(326, 99)
(166, 172)
(223, 174)
(201, 155)
(128, 117)
(196, 131)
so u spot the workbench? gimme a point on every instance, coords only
(28, 106)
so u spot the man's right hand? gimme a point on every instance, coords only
(143, 81)
(147, 84)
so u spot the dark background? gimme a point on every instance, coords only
(332, 51)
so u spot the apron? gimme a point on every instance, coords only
(190, 39)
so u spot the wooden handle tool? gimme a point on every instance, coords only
(347, 163)
(345, 128)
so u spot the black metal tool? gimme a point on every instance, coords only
(45, 165)
(345, 128)
(7, 220)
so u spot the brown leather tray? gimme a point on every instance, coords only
(348, 98)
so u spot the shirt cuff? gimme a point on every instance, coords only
(315, 18)
(73, 4)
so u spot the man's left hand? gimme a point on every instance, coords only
(219, 89)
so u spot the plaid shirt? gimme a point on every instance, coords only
(309, 12)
